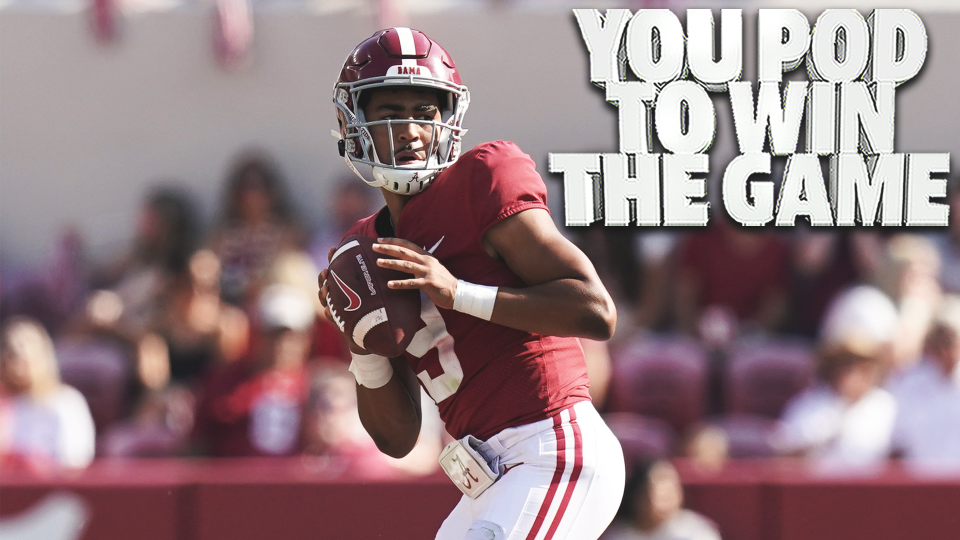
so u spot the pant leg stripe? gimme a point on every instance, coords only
(555, 482)
(574, 475)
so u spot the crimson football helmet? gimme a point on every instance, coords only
(400, 56)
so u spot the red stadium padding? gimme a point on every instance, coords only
(785, 500)
(122, 497)
(296, 499)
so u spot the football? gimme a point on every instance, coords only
(381, 320)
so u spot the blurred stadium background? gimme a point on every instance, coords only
(103, 101)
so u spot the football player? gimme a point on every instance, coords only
(504, 298)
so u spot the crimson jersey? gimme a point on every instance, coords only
(484, 377)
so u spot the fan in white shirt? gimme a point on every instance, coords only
(46, 420)
(927, 429)
(846, 419)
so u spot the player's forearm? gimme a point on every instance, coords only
(564, 307)
(391, 414)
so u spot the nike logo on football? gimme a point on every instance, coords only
(352, 296)
(434, 248)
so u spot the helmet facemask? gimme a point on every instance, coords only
(358, 147)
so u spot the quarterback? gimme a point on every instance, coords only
(504, 297)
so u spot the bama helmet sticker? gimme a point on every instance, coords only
(352, 296)
(415, 70)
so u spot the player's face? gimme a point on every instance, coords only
(412, 142)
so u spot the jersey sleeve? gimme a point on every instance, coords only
(505, 182)
(364, 227)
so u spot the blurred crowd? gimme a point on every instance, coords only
(190, 342)
(835, 350)
(839, 347)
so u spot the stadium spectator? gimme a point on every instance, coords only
(296, 269)
(52, 293)
(130, 295)
(846, 418)
(159, 427)
(743, 272)
(613, 251)
(658, 251)
(652, 508)
(824, 264)
(333, 428)
(200, 329)
(257, 223)
(927, 430)
(637, 269)
(255, 406)
(948, 245)
(707, 446)
(48, 422)
(334, 431)
(140, 279)
(909, 274)
(329, 343)
(351, 202)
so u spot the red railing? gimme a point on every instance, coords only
(296, 499)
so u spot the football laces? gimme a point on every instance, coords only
(333, 310)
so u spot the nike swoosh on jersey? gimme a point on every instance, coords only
(434, 248)
(352, 296)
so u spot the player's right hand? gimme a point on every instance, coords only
(322, 282)
(427, 273)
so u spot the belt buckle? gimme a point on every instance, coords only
(468, 470)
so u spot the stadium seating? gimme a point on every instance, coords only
(99, 370)
(660, 377)
(748, 435)
(761, 377)
(640, 436)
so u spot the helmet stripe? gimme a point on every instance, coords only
(407, 45)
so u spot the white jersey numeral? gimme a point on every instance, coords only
(435, 335)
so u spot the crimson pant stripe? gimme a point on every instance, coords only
(557, 474)
(574, 475)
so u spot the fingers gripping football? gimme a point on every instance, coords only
(428, 274)
(354, 290)
(324, 295)
(324, 292)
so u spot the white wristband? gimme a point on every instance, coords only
(473, 299)
(371, 370)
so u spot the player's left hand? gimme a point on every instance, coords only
(429, 275)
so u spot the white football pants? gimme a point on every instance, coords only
(564, 480)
